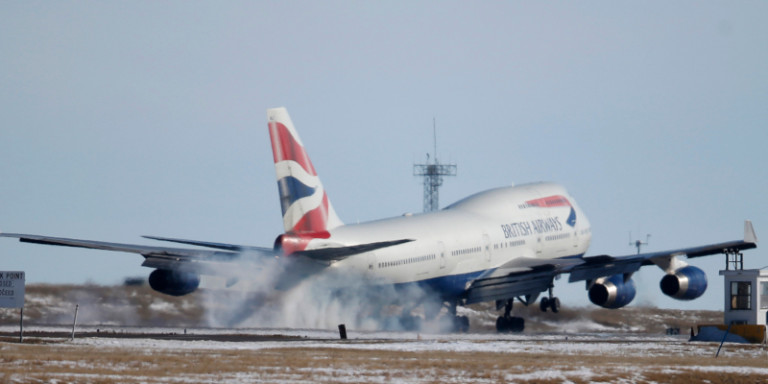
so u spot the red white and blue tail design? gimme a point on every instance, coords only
(305, 205)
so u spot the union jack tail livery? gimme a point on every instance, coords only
(305, 205)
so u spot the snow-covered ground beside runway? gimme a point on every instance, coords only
(297, 355)
(591, 344)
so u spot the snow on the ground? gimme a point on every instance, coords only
(565, 344)
(505, 345)
(583, 344)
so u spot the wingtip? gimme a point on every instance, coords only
(749, 232)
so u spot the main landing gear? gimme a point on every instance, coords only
(458, 323)
(409, 322)
(449, 322)
(550, 302)
(509, 323)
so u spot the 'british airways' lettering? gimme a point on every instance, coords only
(538, 226)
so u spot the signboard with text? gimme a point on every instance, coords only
(12, 289)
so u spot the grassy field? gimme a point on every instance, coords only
(626, 346)
(67, 362)
(141, 306)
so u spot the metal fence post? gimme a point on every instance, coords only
(77, 306)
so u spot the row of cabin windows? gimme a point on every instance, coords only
(507, 244)
(558, 237)
(466, 251)
(410, 260)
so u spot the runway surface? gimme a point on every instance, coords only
(160, 355)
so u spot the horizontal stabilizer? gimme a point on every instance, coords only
(339, 253)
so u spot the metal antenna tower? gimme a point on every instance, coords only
(433, 175)
(637, 243)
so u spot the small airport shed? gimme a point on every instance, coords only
(746, 296)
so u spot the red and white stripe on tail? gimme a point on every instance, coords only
(305, 205)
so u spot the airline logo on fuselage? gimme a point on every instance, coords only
(543, 225)
(546, 202)
(526, 228)
(553, 202)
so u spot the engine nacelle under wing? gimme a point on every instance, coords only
(174, 283)
(686, 283)
(612, 292)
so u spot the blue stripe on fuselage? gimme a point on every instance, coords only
(450, 286)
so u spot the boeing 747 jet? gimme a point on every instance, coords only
(499, 245)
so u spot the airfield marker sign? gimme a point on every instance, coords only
(12, 284)
(12, 289)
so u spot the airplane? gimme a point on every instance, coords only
(498, 245)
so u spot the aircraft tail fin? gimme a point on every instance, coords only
(305, 205)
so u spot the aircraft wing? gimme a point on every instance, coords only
(522, 277)
(528, 277)
(601, 266)
(189, 260)
(203, 261)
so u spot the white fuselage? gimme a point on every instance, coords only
(479, 233)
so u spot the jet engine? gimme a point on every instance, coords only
(174, 283)
(612, 292)
(686, 283)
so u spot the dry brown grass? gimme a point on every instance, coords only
(121, 305)
(49, 360)
(141, 306)
(643, 320)
(66, 362)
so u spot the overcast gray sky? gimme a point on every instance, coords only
(120, 119)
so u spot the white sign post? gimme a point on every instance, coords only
(12, 284)
(11, 289)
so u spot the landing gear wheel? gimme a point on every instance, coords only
(518, 324)
(501, 324)
(432, 309)
(506, 324)
(544, 304)
(461, 324)
(554, 304)
(410, 323)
